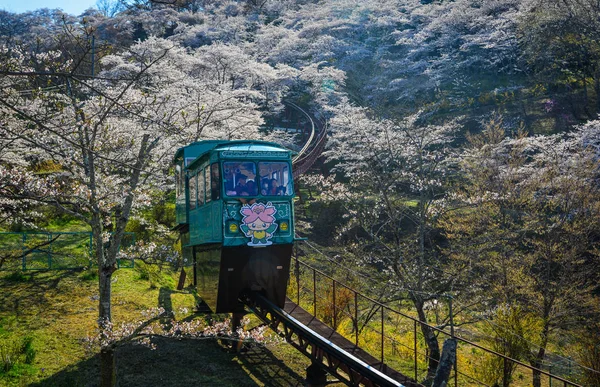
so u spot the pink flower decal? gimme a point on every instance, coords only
(258, 223)
(258, 211)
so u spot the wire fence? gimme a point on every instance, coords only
(52, 250)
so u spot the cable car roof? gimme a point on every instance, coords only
(197, 149)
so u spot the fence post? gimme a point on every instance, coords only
(334, 308)
(356, 316)
(415, 348)
(455, 366)
(91, 250)
(382, 334)
(505, 378)
(23, 258)
(49, 235)
(297, 275)
(314, 293)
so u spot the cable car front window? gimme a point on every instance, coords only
(239, 178)
(275, 179)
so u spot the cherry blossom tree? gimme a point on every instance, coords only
(559, 42)
(396, 175)
(109, 139)
(526, 235)
(109, 8)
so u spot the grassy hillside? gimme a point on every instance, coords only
(44, 317)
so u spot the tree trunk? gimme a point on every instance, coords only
(541, 353)
(597, 90)
(108, 369)
(106, 256)
(507, 370)
(586, 99)
(537, 376)
(431, 341)
(105, 270)
(104, 307)
(448, 359)
(108, 376)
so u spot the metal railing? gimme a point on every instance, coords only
(331, 301)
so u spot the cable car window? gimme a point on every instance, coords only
(215, 182)
(193, 189)
(207, 185)
(179, 181)
(240, 178)
(275, 179)
(201, 187)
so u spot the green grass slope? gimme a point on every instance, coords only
(45, 316)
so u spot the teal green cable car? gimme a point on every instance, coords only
(235, 213)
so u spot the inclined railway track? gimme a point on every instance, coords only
(325, 347)
(313, 147)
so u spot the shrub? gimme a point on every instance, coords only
(9, 353)
(343, 301)
(508, 335)
(28, 350)
(154, 274)
(14, 352)
(589, 354)
(89, 274)
(17, 276)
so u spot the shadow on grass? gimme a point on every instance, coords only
(268, 368)
(31, 288)
(164, 299)
(175, 362)
(265, 368)
(182, 362)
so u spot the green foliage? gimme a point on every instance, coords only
(155, 275)
(89, 274)
(163, 211)
(327, 220)
(18, 276)
(146, 224)
(9, 353)
(54, 220)
(14, 352)
(589, 354)
(334, 316)
(509, 334)
(28, 350)
(138, 227)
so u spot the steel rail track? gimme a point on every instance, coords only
(348, 368)
(312, 132)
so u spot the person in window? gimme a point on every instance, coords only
(228, 180)
(280, 190)
(241, 189)
(272, 190)
(251, 187)
(265, 182)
